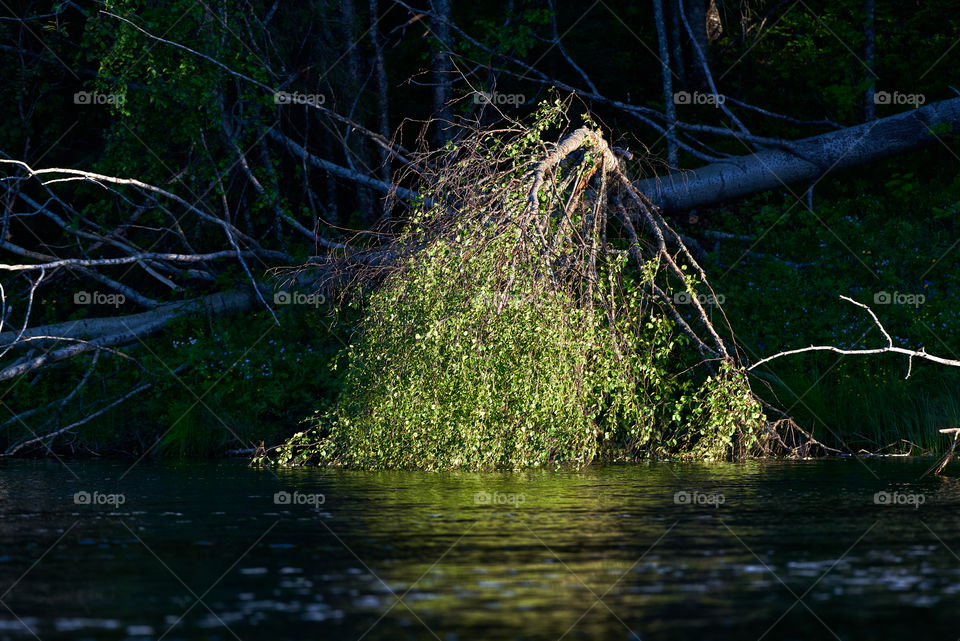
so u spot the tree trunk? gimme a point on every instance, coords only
(380, 77)
(744, 175)
(441, 68)
(667, 80)
(348, 30)
(113, 331)
(696, 13)
(814, 157)
(676, 41)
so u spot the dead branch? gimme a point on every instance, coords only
(940, 465)
(889, 349)
(86, 419)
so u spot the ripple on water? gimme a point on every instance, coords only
(597, 524)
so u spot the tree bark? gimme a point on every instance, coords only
(667, 81)
(695, 12)
(348, 17)
(441, 68)
(341, 172)
(676, 42)
(812, 158)
(93, 334)
(380, 77)
(92, 328)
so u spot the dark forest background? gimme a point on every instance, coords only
(205, 102)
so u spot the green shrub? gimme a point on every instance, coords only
(518, 331)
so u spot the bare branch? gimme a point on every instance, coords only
(889, 349)
(86, 419)
(136, 258)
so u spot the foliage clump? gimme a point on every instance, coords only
(521, 329)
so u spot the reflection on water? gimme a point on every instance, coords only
(785, 550)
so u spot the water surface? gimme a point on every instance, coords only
(772, 550)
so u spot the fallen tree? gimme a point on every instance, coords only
(803, 161)
(530, 321)
(773, 162)
(48, 344)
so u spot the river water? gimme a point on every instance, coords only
(837, 549)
